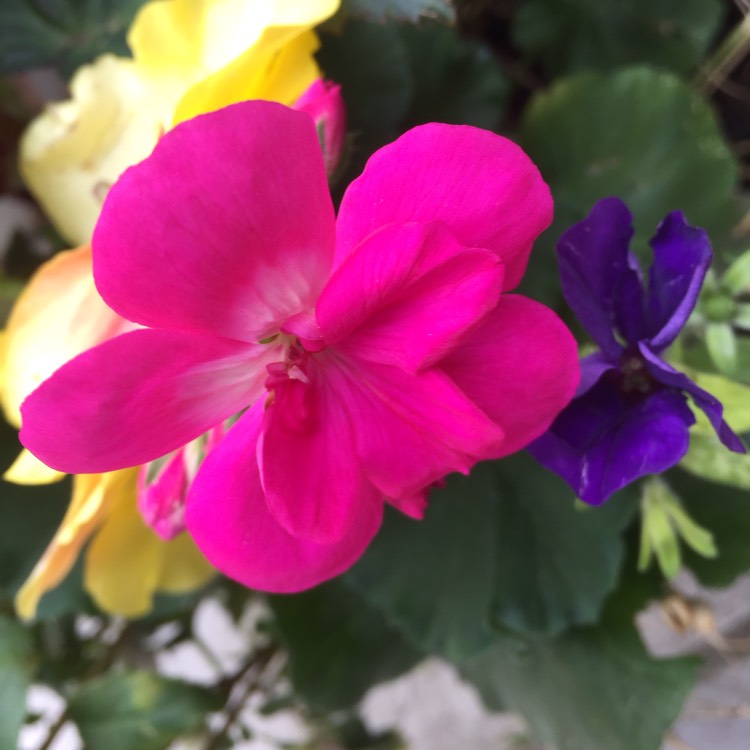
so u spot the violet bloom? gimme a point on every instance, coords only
(630, 416)
(367, 356)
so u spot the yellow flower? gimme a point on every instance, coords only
(189, 57)
(59, 315)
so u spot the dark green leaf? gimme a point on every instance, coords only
(505, 545)
(556, 562)
(434, 579)
(405, 10)
(590, 689)
(127, 710)
(63, 33)
(725, 512)
(339, 645)
(577, 34)
(370, 63)
(455, 80)
(638, 134)
(17, 666)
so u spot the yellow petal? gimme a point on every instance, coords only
(28, 469)
(278, 68)
(72, 153)
(123, 562)
(58, 315)
(92, 496)
(202, 36)
(184, 568)
(127, 563)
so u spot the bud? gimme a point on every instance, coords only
(323, 102)
(163, 484)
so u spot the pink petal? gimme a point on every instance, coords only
(406, 294)
(310, 471)
(227, 227)
(228, 517)
(138, 397)
(482, 186)
(411, 429)
(520, 366)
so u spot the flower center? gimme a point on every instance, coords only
(634, 379)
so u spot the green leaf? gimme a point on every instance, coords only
(17, 667)
(592, 688)
(434, 579)
(555, 563)
(404, 10)
(578, 34)
(638, 134)
(370, 63)
(709, 459)
(125, 710)
(725, 511)
(735, 397)
(63, 33)
(339, 646)
(722, 347)
(455, 80)
(503, 546)
(737, 277)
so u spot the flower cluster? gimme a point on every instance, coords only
(366, 357)
(188, 57)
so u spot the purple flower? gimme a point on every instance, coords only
(630, 416)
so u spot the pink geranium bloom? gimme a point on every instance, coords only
(370, 356)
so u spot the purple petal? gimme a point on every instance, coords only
(710, 405)
(604, 441)
(682, 255)
(592, 368)
(596, 270)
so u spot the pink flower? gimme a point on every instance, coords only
(371, 356)
(324, 103)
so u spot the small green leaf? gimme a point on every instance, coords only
(725, 512)
(737, 277)
(17, 667)
(709, 459)
(339, 646)
(658, 528)
(577, 34)
(742, 316)
(722, 347)
(404, 10)
(63, 33)
(590, 689)
(126, 710)
(735, 397)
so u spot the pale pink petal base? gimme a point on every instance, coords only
(228, 517)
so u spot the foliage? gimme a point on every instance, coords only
(63, 33)
(529, 593)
